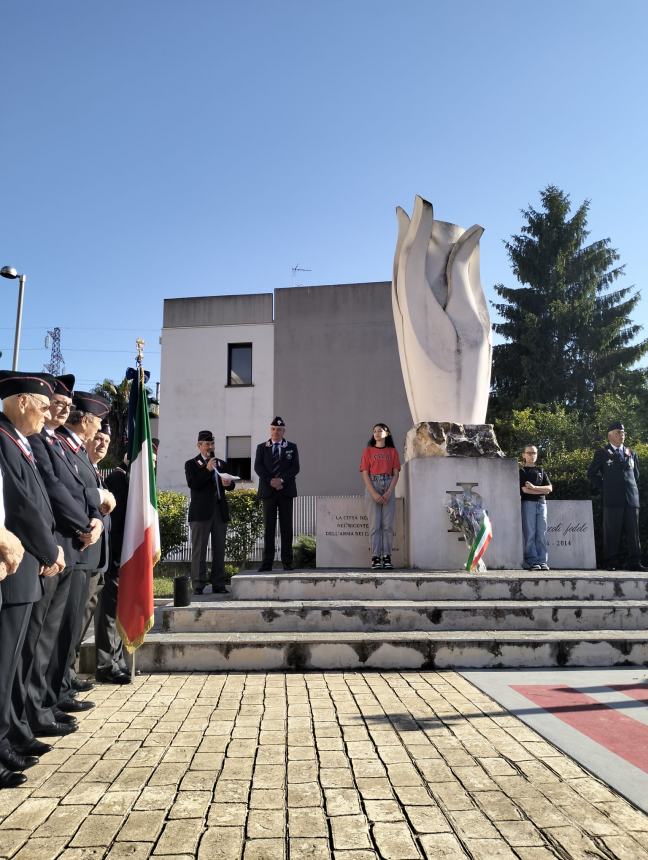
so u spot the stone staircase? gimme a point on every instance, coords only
(405, 620)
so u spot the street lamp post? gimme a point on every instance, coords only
(10, 272)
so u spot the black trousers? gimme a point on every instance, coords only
(58, 679)
(616, 521)
(109, 646)
(14, 620)
(201, 531)
(282, 505)
(30, 683)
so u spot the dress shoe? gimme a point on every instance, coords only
(638, 567)
(82, 686)
(264, 568)
(54, 729)
(108, 677)
(62, 717)
(74, 706)
(33, 747)
(198, 589)
(9, 779)
(11, 760)
(288, 565)
(220, 589)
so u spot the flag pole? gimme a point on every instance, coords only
(139, 360)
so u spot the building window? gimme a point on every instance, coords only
(239, 364)
(239, 456)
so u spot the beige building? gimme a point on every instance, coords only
(324, 358)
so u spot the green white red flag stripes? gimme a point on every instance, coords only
(480, 543)
(141, 546)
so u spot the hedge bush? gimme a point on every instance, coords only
(245, 525)
(172, 513)
(304, 550)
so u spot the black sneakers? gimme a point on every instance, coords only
(387, 562)
(376, 564)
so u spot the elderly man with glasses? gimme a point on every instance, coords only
(77, 527)
(29, 516)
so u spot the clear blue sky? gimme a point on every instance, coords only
(162, 148)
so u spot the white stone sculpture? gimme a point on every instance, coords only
(441, 316)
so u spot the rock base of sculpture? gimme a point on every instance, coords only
(446, 439)
(427, 482)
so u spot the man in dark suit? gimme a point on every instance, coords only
(76, 528)
(111, 666)
(208, 514)
(277, 465)
(615, 471)
(29, 515)
(87, 413)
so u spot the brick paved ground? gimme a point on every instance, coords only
(350, 766)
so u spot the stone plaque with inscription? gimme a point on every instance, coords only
(570, 535)
(343, 533)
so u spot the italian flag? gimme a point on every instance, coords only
(141, 546)
(480, 544)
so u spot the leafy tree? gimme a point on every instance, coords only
(569, 337)
(117, 394)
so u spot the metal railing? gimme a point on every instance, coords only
(304, 523)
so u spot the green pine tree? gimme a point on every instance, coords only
(569, 336)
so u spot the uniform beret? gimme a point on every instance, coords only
(24, 382)
(205, 436)
(277, 422)
(615, 425)
(64, 384)
(90, 402)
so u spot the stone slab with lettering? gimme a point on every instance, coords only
(570, 535)
(426, 484)
(343, 533)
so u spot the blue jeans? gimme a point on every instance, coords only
(534, 530)
(381, 517)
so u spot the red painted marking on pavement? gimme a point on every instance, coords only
(635, 691)
(617, 733)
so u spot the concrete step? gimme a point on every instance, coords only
(439, 586)
(209, 652)
(343, 616)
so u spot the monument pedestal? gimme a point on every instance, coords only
(426, 484)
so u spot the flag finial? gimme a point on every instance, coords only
(139, 343)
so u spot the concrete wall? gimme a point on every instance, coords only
(337, 372)
(193, 380)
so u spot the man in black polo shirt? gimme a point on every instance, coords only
(615, 471)
(534, 488)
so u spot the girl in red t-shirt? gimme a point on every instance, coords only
(380, 468)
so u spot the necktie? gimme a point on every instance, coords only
(276, 459)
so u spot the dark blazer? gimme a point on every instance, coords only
(288, 470)
(616, 477)
(95, 557)
(28, 514)
(204, 495)
(66, 491)
(117, 482)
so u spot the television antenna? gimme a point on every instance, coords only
(294, 270)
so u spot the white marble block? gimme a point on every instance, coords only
(427, 480)
(343, 533)
(570, 535)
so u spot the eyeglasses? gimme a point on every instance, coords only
(43, 407)
(60, 405)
